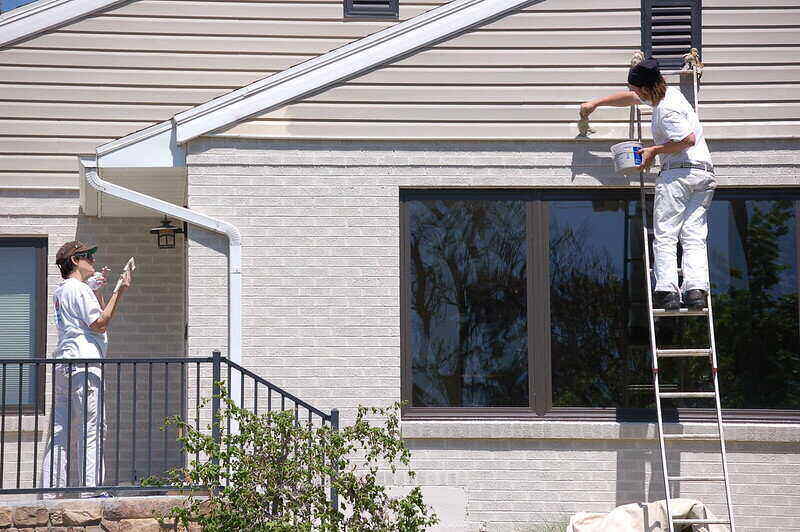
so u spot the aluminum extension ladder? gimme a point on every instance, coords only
(657, 353)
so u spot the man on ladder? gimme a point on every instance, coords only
(683, 193)
(684, 186)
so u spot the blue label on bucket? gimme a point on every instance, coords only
(637, 156)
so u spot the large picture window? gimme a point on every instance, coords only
(532, 303)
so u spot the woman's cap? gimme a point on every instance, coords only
(71, 248)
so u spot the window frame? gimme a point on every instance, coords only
(538, 282)
(352, 11)
(40, 245)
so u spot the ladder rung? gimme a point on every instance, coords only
(683, 352)
(696, 479)
(691, 436)
(660, 312)
(687, 395)
(701, 521)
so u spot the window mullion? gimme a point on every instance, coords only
(539, 305)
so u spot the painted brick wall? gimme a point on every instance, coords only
(320, 228)
(149, 323)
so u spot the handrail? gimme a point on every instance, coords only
(291, 397)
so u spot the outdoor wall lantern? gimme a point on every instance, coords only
(166, 234)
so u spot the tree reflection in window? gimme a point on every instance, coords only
(598, 337)
(468, 318)
(753, 248)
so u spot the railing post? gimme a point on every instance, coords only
(335, 427)
(216, 375)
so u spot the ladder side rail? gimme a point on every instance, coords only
(718, 404)
(653, 345)
(714, 362)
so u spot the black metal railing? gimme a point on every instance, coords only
(59, 418)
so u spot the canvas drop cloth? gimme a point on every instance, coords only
(644, 517)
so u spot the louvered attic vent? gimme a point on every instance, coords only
(670, 28)
(371, 8)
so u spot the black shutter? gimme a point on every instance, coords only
(670, 28)
(371, 8)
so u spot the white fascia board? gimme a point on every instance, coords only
(340, 64)
(152, 147)
(43, 15)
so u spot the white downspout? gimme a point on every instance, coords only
(93, 178)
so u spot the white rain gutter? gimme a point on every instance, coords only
(92, 175)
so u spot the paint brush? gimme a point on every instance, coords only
(129, 267)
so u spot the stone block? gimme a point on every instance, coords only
(133, 525)
(30, 516)
(77, 513)
(139, 507)
(6, 516)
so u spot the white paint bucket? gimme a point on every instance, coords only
(627, 158)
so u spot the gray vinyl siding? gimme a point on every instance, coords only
(66, 91)
(522, 77)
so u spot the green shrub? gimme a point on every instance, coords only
(275, 474)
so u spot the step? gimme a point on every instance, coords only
(696, 436)
(685, 395)
(661, 313)
(683, 352)
(696, 479)
(701, 522)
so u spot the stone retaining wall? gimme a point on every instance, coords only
(120, 514)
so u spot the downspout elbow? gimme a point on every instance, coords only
(93, 179)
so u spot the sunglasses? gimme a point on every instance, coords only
(85, 255)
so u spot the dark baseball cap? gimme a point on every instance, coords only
(71, 248)
(644, 74)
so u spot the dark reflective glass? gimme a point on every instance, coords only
(468, 310)
(598, 331)
(753, 249)
(468, 326)
(600, 352)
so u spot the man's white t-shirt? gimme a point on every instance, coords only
(76, 308)
(673, 120)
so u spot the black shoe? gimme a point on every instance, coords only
(667, 300)
(696, 299)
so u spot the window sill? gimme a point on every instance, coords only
(590, 430)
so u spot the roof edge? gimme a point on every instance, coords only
(324, 71)
(37, 17)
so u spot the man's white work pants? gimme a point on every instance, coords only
(683, 196)
(79, 397)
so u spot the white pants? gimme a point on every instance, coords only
(683, 196)
(81, 392)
